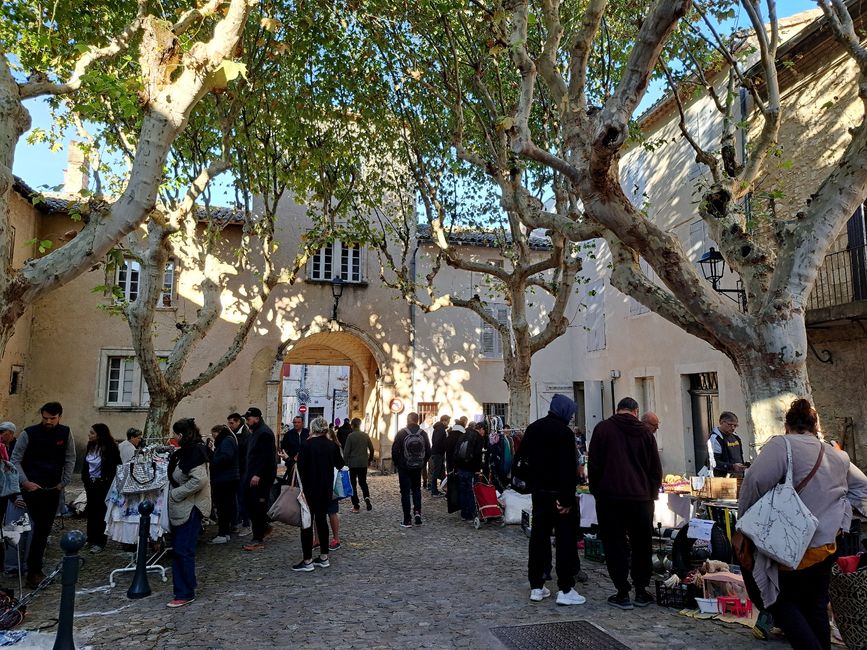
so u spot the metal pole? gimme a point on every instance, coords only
(333, 403)
(71, 543)
(140, 587)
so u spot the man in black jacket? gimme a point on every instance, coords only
(468, 460)
(455, 433)
(438, 454)
(410, 452)
(291, 442)
(242, 435)
(260, 475)
(726, 449)
(625, 477)
(548, 453)
(44, 456)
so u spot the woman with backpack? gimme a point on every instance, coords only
(97, 472)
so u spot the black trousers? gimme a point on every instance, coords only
(257, 507)
(546, 519)
(96, 491)
(409, 480)
(801, 610)
(358, 477)
(319, 519)
(624, 527)
(224, 495)
(42, 508)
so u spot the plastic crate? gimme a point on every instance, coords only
(593, 549)
(679, 597)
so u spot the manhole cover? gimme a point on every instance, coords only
(570, 635)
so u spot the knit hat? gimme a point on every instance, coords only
(8, 426)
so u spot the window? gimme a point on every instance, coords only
(496, 409)
(646, 389)
(427, 412)
(491, 343)
(595, 320)
(338, 259)
(123, 384)
(15, 379)
(128, 279)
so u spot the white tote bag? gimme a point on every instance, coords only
(779, 523)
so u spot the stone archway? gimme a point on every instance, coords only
(339, 345)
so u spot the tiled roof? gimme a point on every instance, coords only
(48, 204)
(483, 238)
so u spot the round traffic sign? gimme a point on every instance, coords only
(302, 409)
(396, 405)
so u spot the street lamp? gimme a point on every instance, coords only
(336, 291)
(713, 267)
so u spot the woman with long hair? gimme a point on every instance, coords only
(97, 473)
(317, 460)
(189, 499)
(829, 486)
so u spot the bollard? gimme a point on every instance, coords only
(71, 543)
(140, 587)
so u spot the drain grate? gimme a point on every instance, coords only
(569, 635)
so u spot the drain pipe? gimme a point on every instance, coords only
(412, 271)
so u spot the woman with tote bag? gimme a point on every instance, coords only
(828, 484)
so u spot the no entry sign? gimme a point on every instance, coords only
(302, 409)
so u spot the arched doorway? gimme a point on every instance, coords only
(342, 372)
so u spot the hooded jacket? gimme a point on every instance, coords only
(454, 435)
(549, 449)
(623, 460)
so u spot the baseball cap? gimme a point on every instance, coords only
(256, 413)
(8, 426)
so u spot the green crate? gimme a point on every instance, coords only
(593, 549)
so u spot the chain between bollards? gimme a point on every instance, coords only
(140, 587)
(71, 543)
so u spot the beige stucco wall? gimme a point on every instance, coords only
(25, 219)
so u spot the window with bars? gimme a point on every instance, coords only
(338, 259)
(496, 409)
(427, 411)
(491, 343)
(128, 280)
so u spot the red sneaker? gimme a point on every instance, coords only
(179, 602)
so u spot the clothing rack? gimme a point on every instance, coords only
(157, 496)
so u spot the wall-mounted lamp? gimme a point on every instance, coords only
(336, 291)
(615, 374)
(713, 267)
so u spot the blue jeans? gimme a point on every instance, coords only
(184, 538)
(409, 480)
(468, 501)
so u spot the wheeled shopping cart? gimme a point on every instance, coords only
(487, 507)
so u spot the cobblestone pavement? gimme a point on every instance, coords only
(441, 585)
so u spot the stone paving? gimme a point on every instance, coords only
(441, 585)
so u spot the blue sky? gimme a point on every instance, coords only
(40, 167)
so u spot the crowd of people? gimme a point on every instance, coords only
(232, 474)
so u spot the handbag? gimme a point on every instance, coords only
(779, 524)
(342, 484)
(847, 591)
(290, 507)
(8, 479)
(144, 474)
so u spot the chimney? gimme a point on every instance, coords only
(76, 177)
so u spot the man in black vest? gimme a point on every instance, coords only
(44, 456)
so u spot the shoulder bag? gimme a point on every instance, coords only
(144, 474)
(290, 507)
(779, 524)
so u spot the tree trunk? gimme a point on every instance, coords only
(158, 424)
(517, 377)
(771, 378)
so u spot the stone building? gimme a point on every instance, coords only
(449, 361)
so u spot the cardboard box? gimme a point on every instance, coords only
(716, 487)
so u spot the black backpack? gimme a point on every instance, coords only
(413, 449)
(464, 448)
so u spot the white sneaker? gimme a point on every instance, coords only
(244, 531)
(537, 595)
(571, 597)
(220, 539)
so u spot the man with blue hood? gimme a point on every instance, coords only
(625, 476)
(547, 458)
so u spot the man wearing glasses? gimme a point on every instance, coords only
(726, 450)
